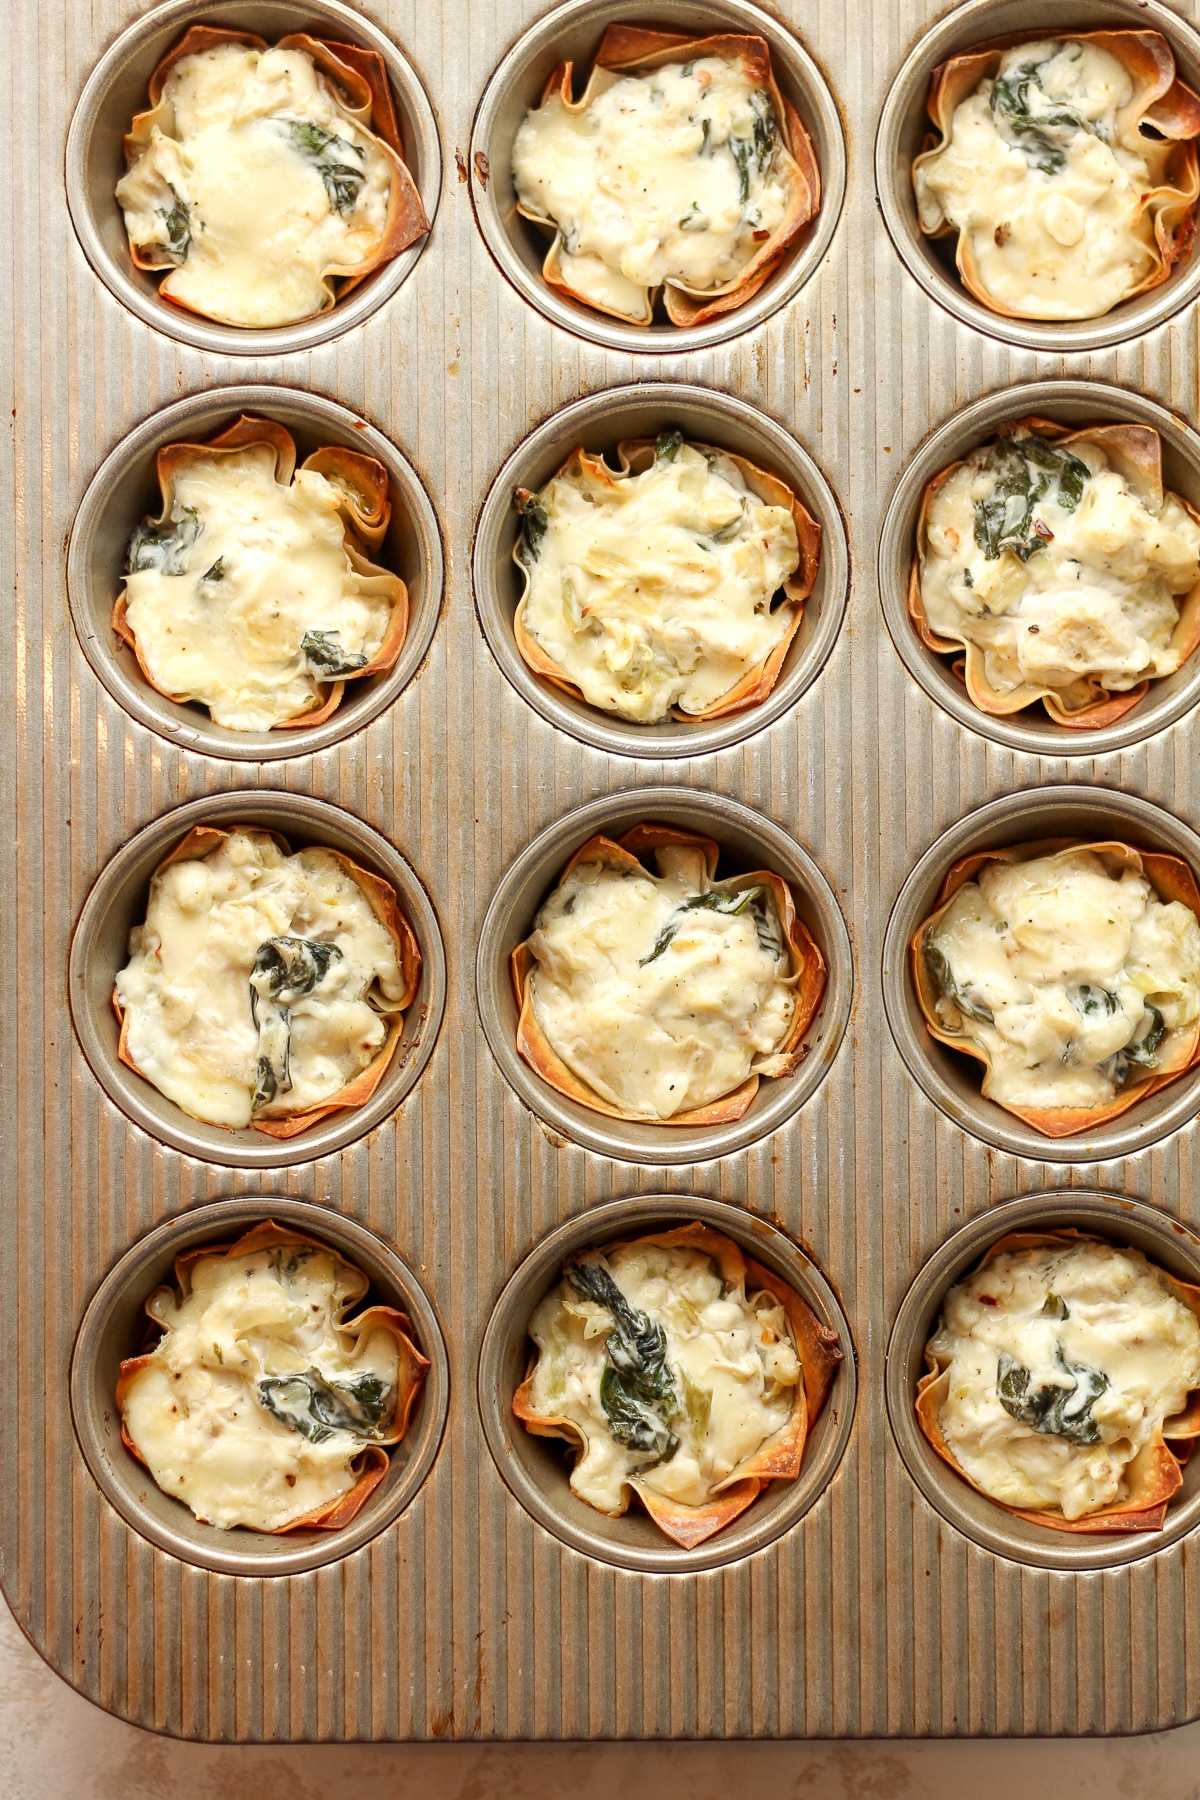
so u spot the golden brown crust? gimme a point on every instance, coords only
(1169, 876)
(361, 77)
(1154, 1474)
(633, 456)
(780, 1457)
(365, 510)
(1159, 98)
(1136, 452)
(630, 50)
(373, 1460)
(200, 842)
(807, 969)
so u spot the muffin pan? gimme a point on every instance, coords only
(472, 1599)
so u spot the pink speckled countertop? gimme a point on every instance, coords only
(56, 1746)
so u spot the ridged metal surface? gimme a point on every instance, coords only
(465, 1618)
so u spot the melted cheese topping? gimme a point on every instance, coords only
(222, 601)
(1047, 183)
(256, 986)
(214, 1414)
(255, 184)
(1048, 560)
(731, 1375)
(670, 176)
(1089, 1338)
(1067, 976)
(655, 991)
(654, 590)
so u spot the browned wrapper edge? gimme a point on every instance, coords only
(780, 1457)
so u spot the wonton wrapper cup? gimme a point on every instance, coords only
(943, 1502)
(1159, 98)
(361, 78)
(780, 1456)
(1153, 1477)
(632, 50)
(536, 1471)
(201, 842)
(365, 510)
(1134, 451)
(1169, 876)
(373, 1459)
(114, 1329)
(599, 423)
(634, 457)
(117, 89)
(117, 904)
(806, 967)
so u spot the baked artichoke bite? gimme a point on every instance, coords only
(680, 173)
(1071, 971)
(265, 988)
(678, 1370)
(664, 997)
(1066, 166)
(669, 587)
(263, 1404)
(1064, 1381)
(266, 180)
(253, 593)
(1059, 570)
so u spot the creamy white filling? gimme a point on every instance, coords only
(221, 606)
(1044, 179)
(1067, 976)
(209, 1413)
(654, 591)
(676, 175)
(1063, 1316)
(187, 995)
(731, 1362)
(259, 182)
(659, 1004)
(1084, 582)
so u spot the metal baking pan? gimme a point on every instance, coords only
(474, 1602)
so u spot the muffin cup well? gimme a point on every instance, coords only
(748, 841)
(952, 1080)
(117, 902)
(1074, 404)
(95, 162)
(537, 1470)
(125, 489)
(599, 422)
(572, 33)
(113, 1327)
(900, 138)
(1101, 1214)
